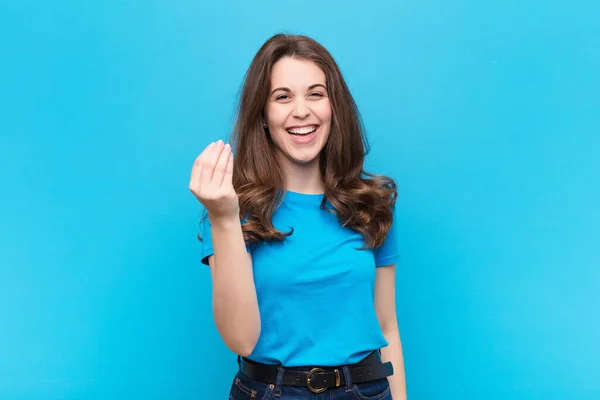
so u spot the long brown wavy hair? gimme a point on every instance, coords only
(362, 201)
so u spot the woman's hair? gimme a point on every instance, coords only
(363, 202)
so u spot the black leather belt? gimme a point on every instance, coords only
(319, 379)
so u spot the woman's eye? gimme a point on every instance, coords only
(317, 94)
(282, 97)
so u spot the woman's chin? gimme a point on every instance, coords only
(298, 158)
(304, 160)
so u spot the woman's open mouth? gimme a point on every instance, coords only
(303, 134)
(305, 130)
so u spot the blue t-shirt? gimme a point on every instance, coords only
(315, 289)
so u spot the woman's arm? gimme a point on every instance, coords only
(385, 306)
(235, 306)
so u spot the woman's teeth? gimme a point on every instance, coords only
(303, 131)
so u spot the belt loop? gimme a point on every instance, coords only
(278, 381)
(348, 379)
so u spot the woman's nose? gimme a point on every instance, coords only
(301, 110)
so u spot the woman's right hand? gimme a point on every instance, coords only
(211, 181)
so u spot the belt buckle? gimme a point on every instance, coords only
(309, 384)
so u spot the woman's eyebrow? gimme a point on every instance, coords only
(283, 89)
(316, 85)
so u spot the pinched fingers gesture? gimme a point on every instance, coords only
(211, 181)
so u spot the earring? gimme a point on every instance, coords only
(264, 125)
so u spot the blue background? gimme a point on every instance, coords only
(485, 112)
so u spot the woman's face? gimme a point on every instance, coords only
(298, 111)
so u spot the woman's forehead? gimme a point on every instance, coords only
(296, 73)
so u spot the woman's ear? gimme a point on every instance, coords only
(263, 118)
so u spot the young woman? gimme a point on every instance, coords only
(299, 238)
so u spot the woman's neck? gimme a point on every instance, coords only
(303, 178)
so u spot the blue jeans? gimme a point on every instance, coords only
(244, 388)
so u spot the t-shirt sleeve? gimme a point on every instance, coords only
(207, 243)
(389, 252)
(206, 235)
